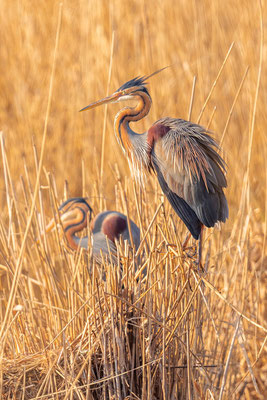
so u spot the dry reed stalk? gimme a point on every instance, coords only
(161, 331)
(105, 116)
(233, 105)
(19, 262)
(215, 83)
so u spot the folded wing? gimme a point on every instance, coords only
(190, 173)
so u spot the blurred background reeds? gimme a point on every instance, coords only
(162, 330)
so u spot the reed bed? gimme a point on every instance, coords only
(160, 328)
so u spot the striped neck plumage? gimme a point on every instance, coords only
(75, 222)
(125, 135)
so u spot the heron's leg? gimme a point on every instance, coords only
(199, 255)
(184, 244)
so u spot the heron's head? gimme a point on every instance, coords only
(127, 91)
(73, 212)
(75, 202)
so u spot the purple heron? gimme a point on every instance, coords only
(106, 227)
(182, 154)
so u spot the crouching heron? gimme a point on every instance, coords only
(106, 227)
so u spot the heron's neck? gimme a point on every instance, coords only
(77, 223)
(127, 138)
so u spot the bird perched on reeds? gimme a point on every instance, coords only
(182, 154)
(106, 227)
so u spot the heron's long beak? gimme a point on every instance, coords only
(121, 95)
(110, 99)
(50, 226)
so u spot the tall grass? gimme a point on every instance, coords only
(163, 331)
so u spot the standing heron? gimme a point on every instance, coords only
(106, 227)
(182, 154)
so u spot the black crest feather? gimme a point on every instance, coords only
(138, 81)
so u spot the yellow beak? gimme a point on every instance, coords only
(50, 226)
(112, 98)
(109, 99)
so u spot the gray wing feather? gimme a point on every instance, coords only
(102, 244)
(187, 215)
(187, 160)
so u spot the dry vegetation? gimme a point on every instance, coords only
(173, 333)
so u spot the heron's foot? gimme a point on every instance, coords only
(199, 267)
(190, 252)
(185, 242)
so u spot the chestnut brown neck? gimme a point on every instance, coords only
(128, 114)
